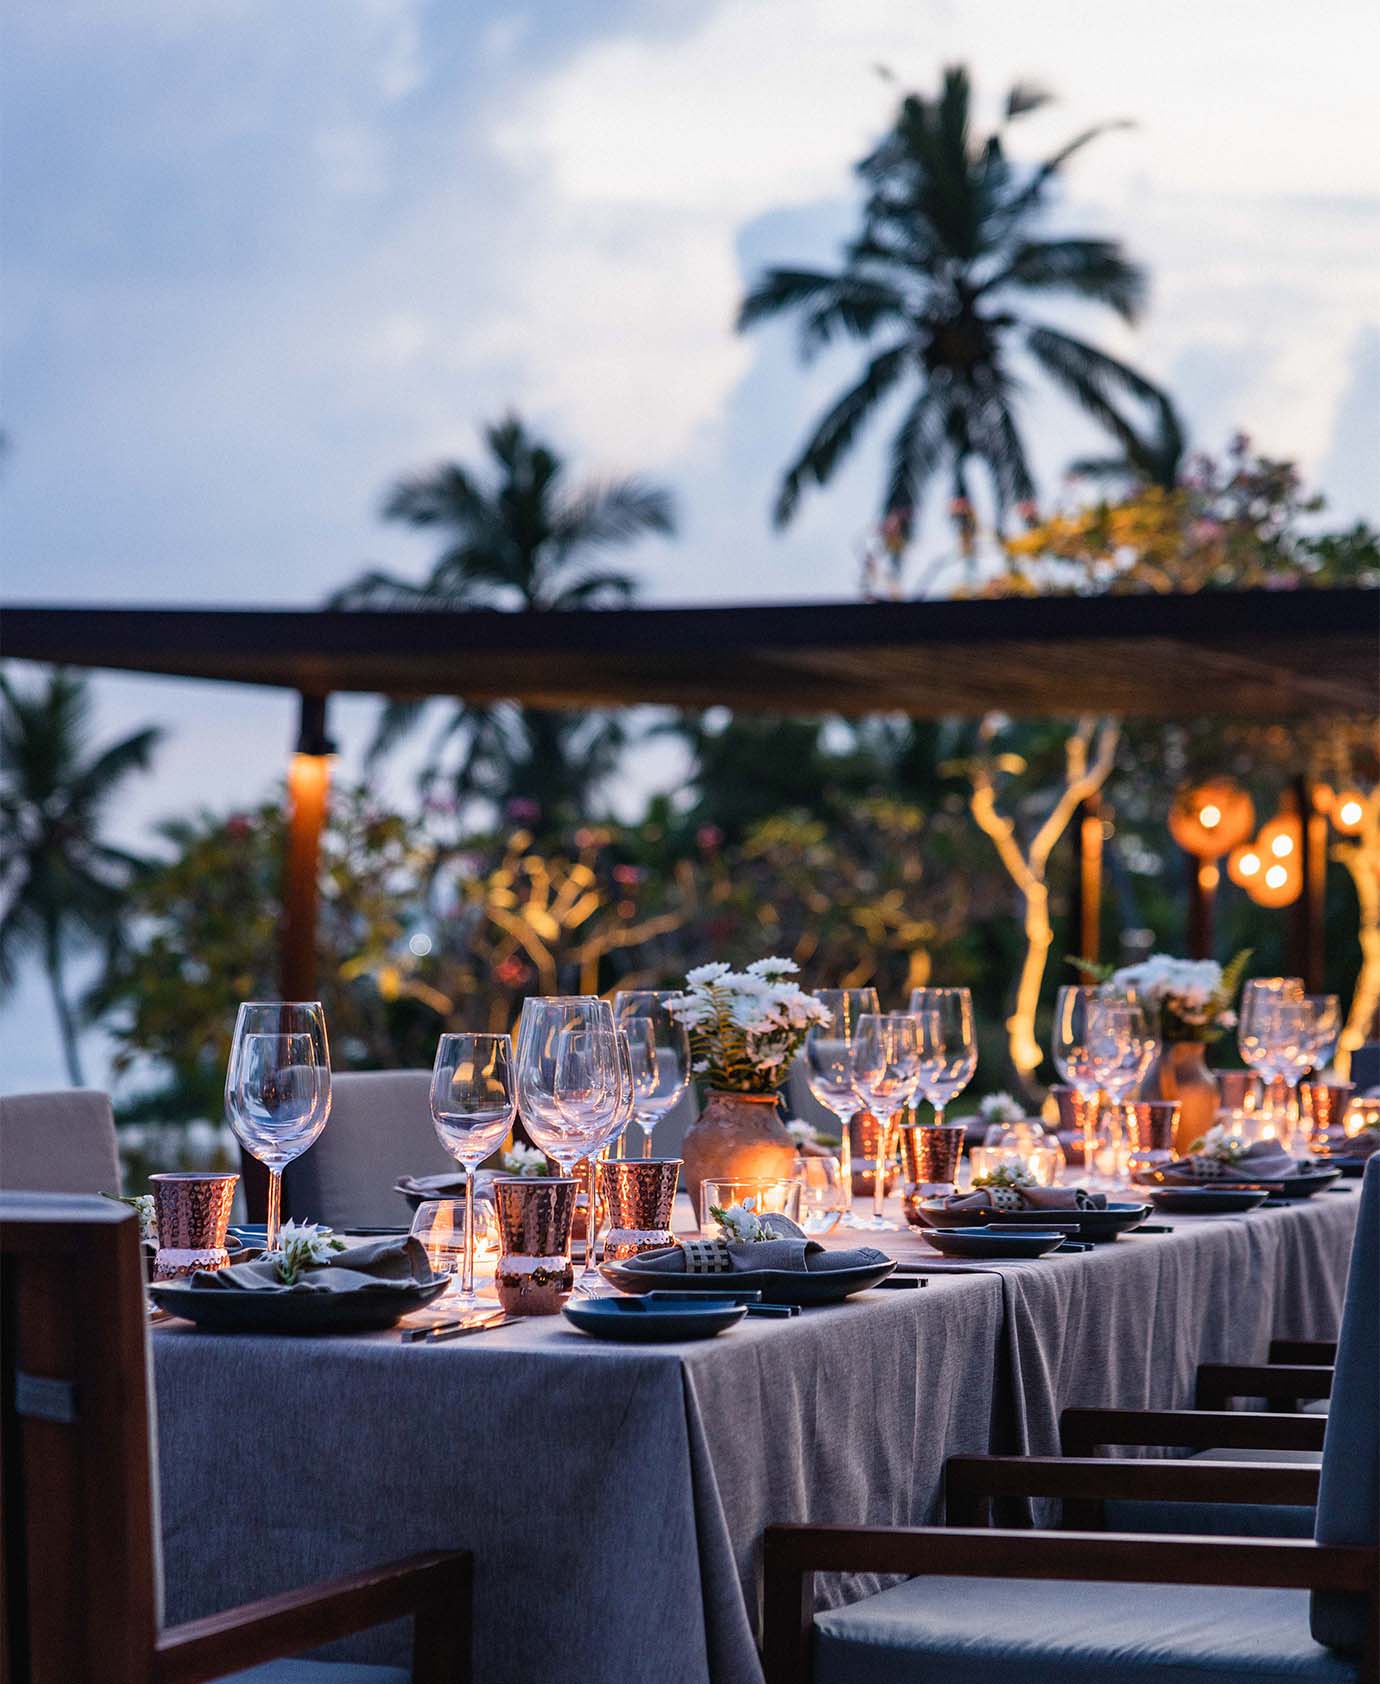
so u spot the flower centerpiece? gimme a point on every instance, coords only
(1194, 1000)
(745, 1028)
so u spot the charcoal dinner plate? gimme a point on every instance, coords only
(1207, 1201)
(1301, 1186)
(777, 1286)
(638, 1321)
(1096, 1225)
(224, 1310)
(994, 1242)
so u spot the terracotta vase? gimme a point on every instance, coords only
(1180, 1072)
(736, 1135)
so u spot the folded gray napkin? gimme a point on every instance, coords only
(446, 1186)
(382, 1265)
(789, 1248)
(1263, 1160)
(1027, 1198)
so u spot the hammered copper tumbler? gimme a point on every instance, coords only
(192, 1212)
(930, 1154)
(639, 1194)
(534, 1275)
(1325, 1105)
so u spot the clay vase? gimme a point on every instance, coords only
(736, 1136)
(1180, 1072)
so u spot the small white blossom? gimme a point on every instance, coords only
(799, 1130)
(1015, 1173)
(1001, 1108)
(740, 1223)
(302, 1245)
(525, 1160)
(706, 973)
(1221, 1144)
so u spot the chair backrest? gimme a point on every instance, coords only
(58, 1143)
(1349, 1487)
(379, 1128)
(79, 1572)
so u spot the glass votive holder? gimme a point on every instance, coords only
(439, 1224)
(1043, 1162)
(779, 1197)
(1362, 1118)
(825, 1194)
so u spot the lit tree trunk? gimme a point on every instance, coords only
(1361, 857)
(1082, 779)
(67, 1027)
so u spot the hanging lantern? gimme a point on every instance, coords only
(1209, 819)
(1244, 865)
(1348, 812)
(1278, 881)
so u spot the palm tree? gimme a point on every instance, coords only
(522, 540)
(63, 888)
(948, 252)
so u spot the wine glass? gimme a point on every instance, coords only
(1254, 995)
(661, 1081)
(828, 1066)
(948, 1047)
(542, 1027)
(1129, 1046)
(1325, 1013)
(885, 1064)
(594, 1092)
(473, 1103)
(1284, 1029)
(278, 1087)
(1087, 1045)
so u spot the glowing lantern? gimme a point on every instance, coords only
(1210, 819)
(1277, 877)
(1244, 864)
(1349, 812)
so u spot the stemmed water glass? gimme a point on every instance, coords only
(1255, 995)
(660, 1054)
(885, 1065)
(595, 1092)
(1284, 1030)
(473, 1103)
(828, 1060)
(1130, 1046)
(948, 1047)
(278, 1087)
(1088, 1045)
(1325, 1027)
(571, 1132)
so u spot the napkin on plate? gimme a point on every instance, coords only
(788, 1248)
(383, 1265)
(1263, 1160)
(1027, 1198)
(450, 1186)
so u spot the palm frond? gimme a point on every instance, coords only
(916, 452)
(1093, 379)
(132, 754)
(612, 514)
(779, 290)
(1022, 203)
(1026, 97)
(377, 589)
(1095, 270)
(447, 496)
(839, 427)
(597, 590)
(400, 715)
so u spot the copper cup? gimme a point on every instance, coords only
(1152, 1123)
(1075, 1122)
(193, 1213)
(930, 1154)
(639, 1194)
(864, 1134)
(534, 1275)
(1325, 1105)
(1237, 1090)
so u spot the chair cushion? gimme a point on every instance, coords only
(318, 1672)
(58, 1143)
(1349, 1487)
(990, 1631)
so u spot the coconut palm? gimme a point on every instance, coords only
(521, 538)
(936, 283)
(63, 887)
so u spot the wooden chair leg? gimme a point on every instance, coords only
(443, 1636)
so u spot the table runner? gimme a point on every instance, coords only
(615, 1496)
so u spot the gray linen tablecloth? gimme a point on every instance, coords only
(615, 1496)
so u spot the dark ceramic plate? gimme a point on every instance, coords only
(777, 1286)
(215, 1310)
(1351, 1167)
(1075, 1224)
(639, 1322)
(1302, 1186)
(1207, 1201)
(994, 1242)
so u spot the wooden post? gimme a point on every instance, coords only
(1203, 877)
(308, 787)
(1085, 923)
(1307, 932)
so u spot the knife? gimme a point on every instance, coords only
(462, 1324)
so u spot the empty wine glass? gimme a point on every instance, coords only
(473, 1103)
(948, 1047)
(1325, 1026)
(660, 1078)
(827, 1055)
(1129, 1046)
(562, 1134)
(594, 1092)
(1088, 1040)
(1284, 1030)
(886, 1068)
(1254, 994)
(278, 1087)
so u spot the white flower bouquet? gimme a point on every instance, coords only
(1193, 996)
(745, 1027)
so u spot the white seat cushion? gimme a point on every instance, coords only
(1023, 1631)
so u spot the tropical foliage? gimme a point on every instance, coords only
(953, 250)
(63, 886)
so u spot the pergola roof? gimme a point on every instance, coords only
(1266, 654)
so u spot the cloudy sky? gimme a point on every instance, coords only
(260, 258)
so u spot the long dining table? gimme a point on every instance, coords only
(614, 1496)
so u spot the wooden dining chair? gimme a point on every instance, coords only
(995, 1606)
(78, 1545)
(61, 1142)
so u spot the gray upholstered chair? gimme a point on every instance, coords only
(58, 1143)
(989, 1606)
(379, 1128)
